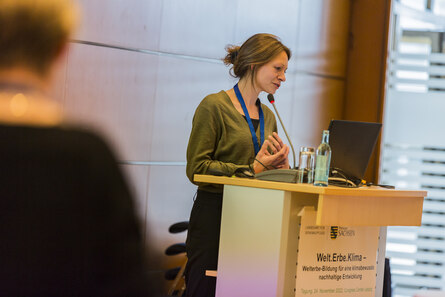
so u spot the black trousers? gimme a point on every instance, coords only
(202, 244)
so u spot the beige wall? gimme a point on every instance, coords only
(137, 69)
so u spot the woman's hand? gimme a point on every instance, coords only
(273, 155)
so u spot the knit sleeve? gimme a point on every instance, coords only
(204, 141)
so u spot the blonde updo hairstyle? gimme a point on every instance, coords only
(33, 32)
(253, 53)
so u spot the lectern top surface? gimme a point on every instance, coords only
(308, 188)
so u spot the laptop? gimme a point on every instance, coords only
(352, 144)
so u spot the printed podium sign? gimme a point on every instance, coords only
(335, 260)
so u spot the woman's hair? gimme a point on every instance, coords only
(33, 32)
(256, 51)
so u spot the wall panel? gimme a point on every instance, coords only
(113, 90)
(278, 17)
(197, 27)
(323, 36)
(317, 100)
(137, 179)
(128, 23)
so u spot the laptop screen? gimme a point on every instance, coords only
(352, 144)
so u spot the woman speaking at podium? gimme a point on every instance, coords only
(228, 134)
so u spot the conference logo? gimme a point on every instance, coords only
(337, 232)
(334, 232)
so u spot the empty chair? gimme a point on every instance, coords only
(176, 274)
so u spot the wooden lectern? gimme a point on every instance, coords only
(260, 228)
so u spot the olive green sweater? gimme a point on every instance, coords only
(221, 139)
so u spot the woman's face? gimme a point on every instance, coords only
(270, 76)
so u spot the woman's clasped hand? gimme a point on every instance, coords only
(272, 155)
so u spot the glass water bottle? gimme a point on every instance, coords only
(322, 161)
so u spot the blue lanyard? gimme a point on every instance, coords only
(249, 121)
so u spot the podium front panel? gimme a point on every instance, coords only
(257, 231)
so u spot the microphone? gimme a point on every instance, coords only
(272, 101)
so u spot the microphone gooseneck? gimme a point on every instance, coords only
(272, 101)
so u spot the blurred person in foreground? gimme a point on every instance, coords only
(67, 219)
